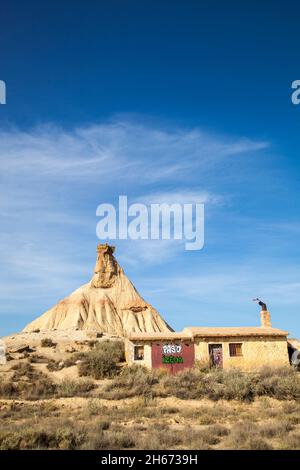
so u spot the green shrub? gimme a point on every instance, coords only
(275, 428)
(23, 369)
(133, 381)
(72, 388)
(290, 442)
(110, 440)
(38, 359)
(62, 438)
(71, 361)
(121, 440)
(47, 343)
(41, 388)
(257, 443)
(184, 385)
(202, 365)
(95, 407)
(280, 383)
(8, 390)
(230, 385)
(160, 437)
(102, 361)
(54, 365)
(103, 425)
(233, 384)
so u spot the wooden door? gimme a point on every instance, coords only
(216, 355)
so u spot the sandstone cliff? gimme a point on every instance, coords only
(109, 303)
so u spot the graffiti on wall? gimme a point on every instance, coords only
(168, 351)
(171, 348)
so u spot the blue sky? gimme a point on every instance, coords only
(174, 100)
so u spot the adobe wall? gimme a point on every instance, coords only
(257, 352)
(129, 353)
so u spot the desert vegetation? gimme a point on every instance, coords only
(102, 361)
(47, 343)
(92, 423)
(89, 399)
(215, 384)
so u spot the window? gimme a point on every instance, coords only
(138, 353)
(235, 349)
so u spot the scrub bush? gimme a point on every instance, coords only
(102, 361)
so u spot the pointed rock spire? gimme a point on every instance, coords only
(109, 303)
(106, 268)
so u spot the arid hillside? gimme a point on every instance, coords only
(59, 393)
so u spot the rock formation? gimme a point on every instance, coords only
(109, 303)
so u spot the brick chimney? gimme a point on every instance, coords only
(265, 319)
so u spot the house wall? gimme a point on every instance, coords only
(129, 352)
(257, 352)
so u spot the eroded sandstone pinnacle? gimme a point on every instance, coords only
(106, 268)
(109, 303)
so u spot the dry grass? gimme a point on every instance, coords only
(142, 409)
(59, 436)
(157, 425)
(38, 359)
(74, 388)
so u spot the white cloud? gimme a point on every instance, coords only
(149, 252)
(111, 148)
(181, 197)
(52, 180)
(235, 285)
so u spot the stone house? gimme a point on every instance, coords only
(242, 347)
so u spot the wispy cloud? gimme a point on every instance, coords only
(237, 288)
(111, 148)
(52, 180)
(225, 298)
(182, 197)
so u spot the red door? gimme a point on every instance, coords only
(172, 356)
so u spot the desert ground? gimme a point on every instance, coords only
(73, 390)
